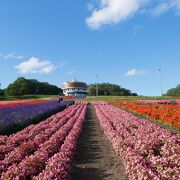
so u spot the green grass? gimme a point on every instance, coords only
(9, 98)
(93, 98)
(122, 98)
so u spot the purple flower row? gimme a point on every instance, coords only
(14, 140)
(17, 115)
(30, 158)
(11, 153)
(148, 151)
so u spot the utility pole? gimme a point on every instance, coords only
(160, 81)
(96, 85)
(37, 88)
(0, 86)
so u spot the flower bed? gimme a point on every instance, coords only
(5, 104)
(43, 145)
(161, 101)
(15, 118)
(148, 151)
(166, 113)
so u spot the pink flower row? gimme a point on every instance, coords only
(59, 165)
(148, 151)
(33, 143)
(30, 157)
(32, 131)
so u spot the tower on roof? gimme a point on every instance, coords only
(74, 80)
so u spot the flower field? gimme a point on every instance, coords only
(43, 151)
(156, 110)
(46, 150)
(147, 150)
(20, 115)
(161, 101)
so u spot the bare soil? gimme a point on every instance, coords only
(95, 159)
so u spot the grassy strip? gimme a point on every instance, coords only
(10, 98)
(122, 98)
(94, 98)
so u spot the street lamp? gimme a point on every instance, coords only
(160, 81)
(96, 85)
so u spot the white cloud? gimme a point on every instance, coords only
(35, 65)
(116, 11)
(13, 56)
(90, 6)
(160, 9)
(113, 11)
(165, 6)
(135, 72)
(176, 3)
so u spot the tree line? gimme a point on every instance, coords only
(174, 91)
(22, 86)
(108, 89)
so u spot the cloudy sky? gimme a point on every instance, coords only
(118, 41)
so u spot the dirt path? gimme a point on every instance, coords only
(95, 159)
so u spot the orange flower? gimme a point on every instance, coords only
(165, 113)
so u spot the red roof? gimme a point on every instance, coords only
(74, 85)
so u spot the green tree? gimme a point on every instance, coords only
(92, 90)
(23, 86)
(2, 92)
(108, 89)
(19, 87)
(174, 91)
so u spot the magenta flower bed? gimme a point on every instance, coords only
(160, 101)
(29, 153)
(148, 151)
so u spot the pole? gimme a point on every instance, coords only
(96, 85)
(37, 88)
(160, 81)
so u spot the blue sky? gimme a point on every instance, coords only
(122, 42)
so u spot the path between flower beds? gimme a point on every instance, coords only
(95, 159)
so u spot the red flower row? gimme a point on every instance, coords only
(5, 104)
(165, 113)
